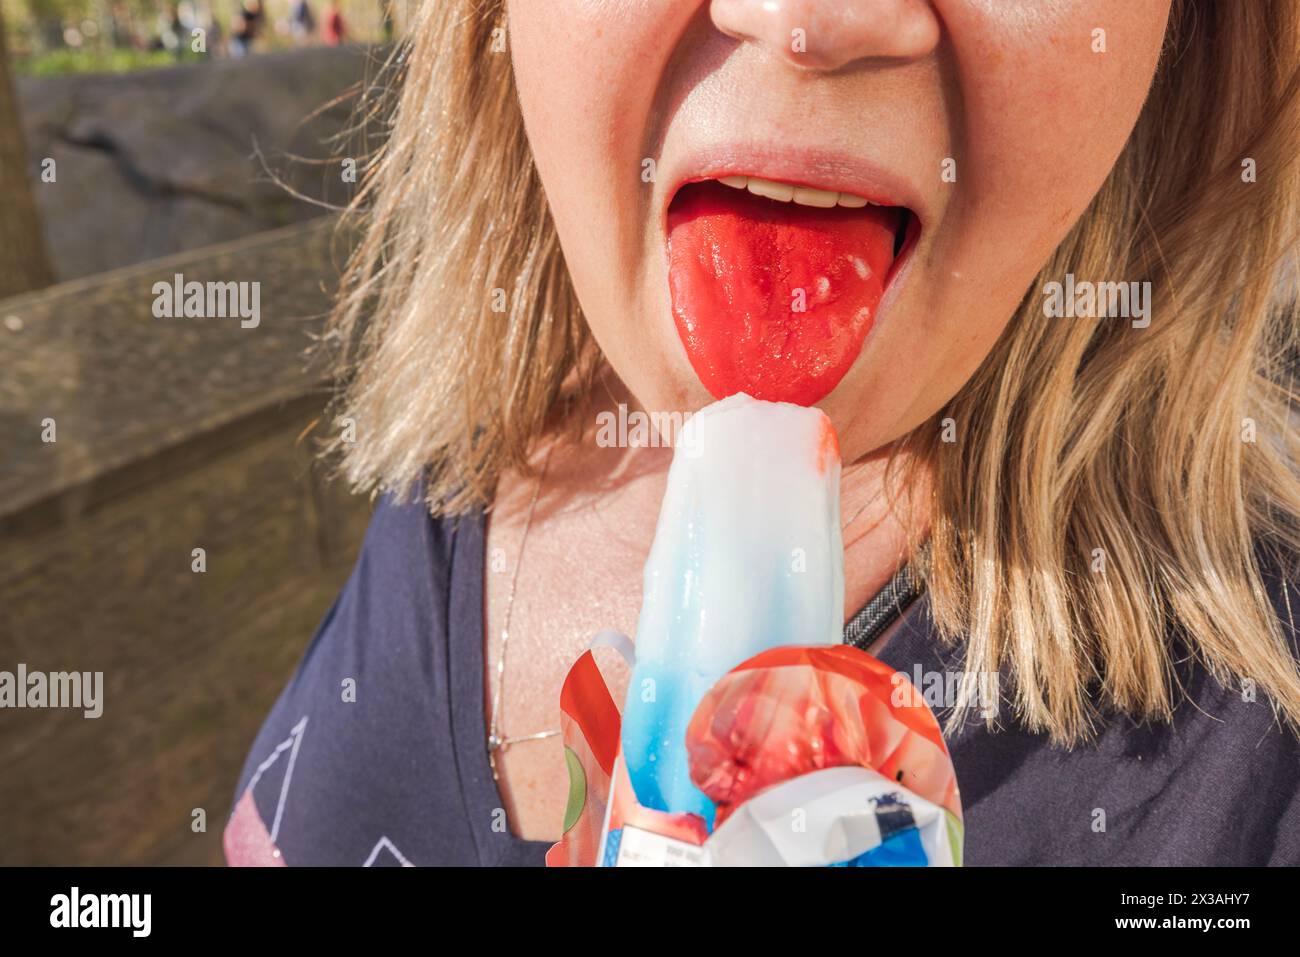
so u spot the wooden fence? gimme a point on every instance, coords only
(169, 435)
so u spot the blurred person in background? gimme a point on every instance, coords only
(244, 30)
(173, 31)
(302, 22)
(332, 29)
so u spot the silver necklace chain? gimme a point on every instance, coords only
(495, 741)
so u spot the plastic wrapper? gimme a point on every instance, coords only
(815, 756)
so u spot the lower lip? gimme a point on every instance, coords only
(775, 299)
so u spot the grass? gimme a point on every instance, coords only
(59, 62)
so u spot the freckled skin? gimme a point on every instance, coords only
(1009, 89)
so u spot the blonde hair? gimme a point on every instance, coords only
(1114, 493)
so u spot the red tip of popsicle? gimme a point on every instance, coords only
(828, 448)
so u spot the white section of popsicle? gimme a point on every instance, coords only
(747, 556)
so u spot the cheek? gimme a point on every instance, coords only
(586, 73)
(562, 56)
(1035, 122)
(1049, 92)
(1046, 106)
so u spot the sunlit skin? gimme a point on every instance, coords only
(887, 95)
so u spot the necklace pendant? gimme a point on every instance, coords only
(495, 743)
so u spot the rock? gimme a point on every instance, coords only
(161, 161)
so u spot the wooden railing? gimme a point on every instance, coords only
(169, 435)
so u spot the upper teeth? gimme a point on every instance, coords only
(803, 195)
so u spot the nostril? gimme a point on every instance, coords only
(814, 35)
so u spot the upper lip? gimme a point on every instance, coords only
(816, 168)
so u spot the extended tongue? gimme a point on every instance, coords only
(774, 299)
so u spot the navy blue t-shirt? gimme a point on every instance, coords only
(399, 774)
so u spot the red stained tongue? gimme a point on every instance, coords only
(772, 298)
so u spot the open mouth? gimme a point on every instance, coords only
(775, 286)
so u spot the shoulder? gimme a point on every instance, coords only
(1243, 754)
(397, 594)
(1218, 784)
(368, 699)
(405, 542)
(1242, 704)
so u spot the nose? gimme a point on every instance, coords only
(828, 34)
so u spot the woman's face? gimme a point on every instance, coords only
(982, 128)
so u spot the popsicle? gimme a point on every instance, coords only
(747, 556)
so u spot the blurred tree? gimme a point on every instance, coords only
(47, 19)
(23, 263)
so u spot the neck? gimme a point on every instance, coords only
(883, 519)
